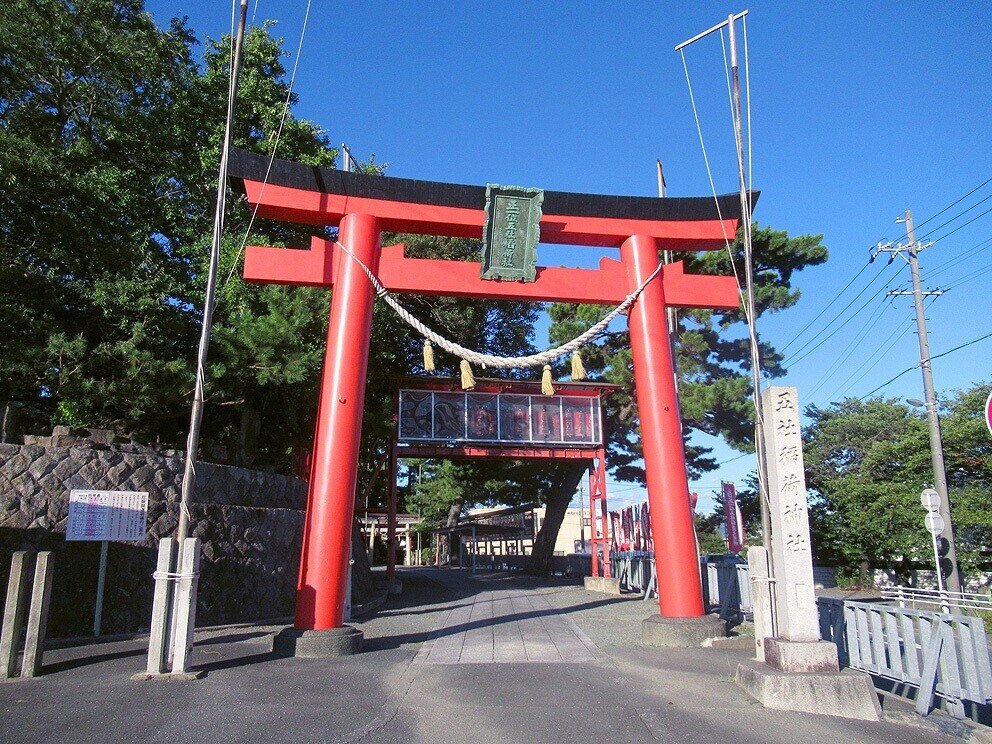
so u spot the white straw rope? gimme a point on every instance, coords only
(487, 360)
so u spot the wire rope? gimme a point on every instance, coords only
(275, 143)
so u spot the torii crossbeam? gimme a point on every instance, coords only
(363, 206)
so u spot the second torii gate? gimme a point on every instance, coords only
(363, 206)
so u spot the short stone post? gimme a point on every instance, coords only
(13, 612)
(185, 622)
(159, 632)
(41, 597)
(801, 672)
(761, 598)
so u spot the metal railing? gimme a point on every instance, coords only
(936, 598)
(939, 653)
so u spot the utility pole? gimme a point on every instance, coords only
(912, 249)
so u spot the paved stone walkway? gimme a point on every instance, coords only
(507, 626)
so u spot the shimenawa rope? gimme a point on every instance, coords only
(489, 360)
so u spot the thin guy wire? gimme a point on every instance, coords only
(275, 144)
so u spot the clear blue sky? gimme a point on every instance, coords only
(858, 115)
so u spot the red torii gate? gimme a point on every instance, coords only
(363, 206)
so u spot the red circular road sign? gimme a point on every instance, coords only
(988, 413)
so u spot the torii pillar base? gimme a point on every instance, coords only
(318, 644)
(681, 632)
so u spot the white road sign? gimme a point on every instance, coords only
(934, 523)
(118, 516)
(930, 499)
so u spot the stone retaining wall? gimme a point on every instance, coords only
(250, 523)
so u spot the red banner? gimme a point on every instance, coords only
(732, 513)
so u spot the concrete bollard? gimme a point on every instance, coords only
(41, 596)
(185, 604)
(761, 599)
(13, 613)
(159, 631)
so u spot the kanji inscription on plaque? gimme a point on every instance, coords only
(511, 233)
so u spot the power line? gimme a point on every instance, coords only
(832, 301)
(824, 339)
(963, 255)
(932, 230)
(845, 355)
(961, 226)
(869, 364)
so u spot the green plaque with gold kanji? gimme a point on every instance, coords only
(511, 233)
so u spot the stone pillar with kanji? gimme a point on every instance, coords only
(797, 646)
(799, 671)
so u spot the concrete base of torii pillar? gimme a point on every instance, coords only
(794, 669)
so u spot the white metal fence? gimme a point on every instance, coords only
(940, 654)
(928, 599)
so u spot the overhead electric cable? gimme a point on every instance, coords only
(955, 217)
(873, 360)
(935, 356)
(820, 339)
(954, 203)
(963, 225)
(846, 354)
(962, 256)
(836, 297)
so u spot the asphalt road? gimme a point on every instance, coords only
(609, 690)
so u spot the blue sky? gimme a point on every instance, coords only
(860, 111)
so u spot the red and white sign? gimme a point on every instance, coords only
(732, 513)
(988, 413)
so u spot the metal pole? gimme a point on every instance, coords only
(933, 417)
(759, 443)
(671, 314)
(582, 518)
(196, 414)
(101, 579)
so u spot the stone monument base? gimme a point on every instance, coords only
(847, 693)
(801, 656)
(681, 632)
(318, 644)
(602, 584)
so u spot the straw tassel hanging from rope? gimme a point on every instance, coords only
(428, 355)
(468, 379)
(546, 387)
(578, 371)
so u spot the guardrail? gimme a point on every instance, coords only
(941, 654)
(912, 596)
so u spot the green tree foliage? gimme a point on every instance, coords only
(94, 141)
(866, 463)
(712, 350)
(110, 133)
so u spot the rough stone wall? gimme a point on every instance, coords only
(250, 524)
